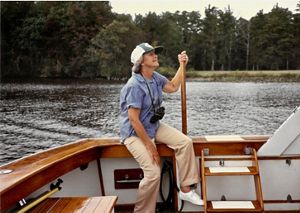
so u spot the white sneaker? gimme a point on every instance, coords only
(191, 197)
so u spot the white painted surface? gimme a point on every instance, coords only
(108, 165)
(287, 135)
(228, 169)
(279, 179)
(232, 205)
(76, 183)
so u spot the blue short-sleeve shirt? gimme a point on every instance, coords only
(136, 94)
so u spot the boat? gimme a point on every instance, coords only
(101, 172)
(239, 173)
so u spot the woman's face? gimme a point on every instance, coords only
(150, 60)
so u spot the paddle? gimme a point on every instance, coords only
(183, 98)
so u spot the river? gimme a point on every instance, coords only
(37, 116)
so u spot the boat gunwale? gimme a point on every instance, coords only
(36, 164)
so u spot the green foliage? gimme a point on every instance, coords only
(111, 49)
(88, 40)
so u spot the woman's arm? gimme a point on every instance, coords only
(173, 85)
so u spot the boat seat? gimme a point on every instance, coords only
(102, 204)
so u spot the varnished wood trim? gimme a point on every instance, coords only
(203, 178)
(257, 208)
(103, 204)
(230, 148)
(252, 171)
(32, 172)
(249, 158)
(230, 159)
(257, 181)
(281, 201)
(282, 211)
(278, 157)
(26, 186)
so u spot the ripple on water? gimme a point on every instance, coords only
(35, 117)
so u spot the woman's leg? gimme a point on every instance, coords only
(184, 153)
(149, 185)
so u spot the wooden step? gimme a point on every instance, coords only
(233, 206)
(230, 171)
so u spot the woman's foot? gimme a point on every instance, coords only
(191, 197)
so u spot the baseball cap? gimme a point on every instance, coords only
(141, 49)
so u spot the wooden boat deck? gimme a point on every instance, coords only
(46, 166)
(80, 204)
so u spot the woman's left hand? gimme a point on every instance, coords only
(183, 57)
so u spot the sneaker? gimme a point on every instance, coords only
(191, 197)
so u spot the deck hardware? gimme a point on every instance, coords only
(127, 178)
(222, 162)
(57, 185)
(206, 151)
(288, 162)
(223, 198)
(22, 202)
(84, 166)
(5, 171)
(53, 189)
(289, 198)
(247, 150)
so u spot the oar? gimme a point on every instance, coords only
(183, 98)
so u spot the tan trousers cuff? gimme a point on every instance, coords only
(190, 182)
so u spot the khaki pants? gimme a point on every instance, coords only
(149, 185)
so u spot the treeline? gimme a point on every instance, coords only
(87, 40)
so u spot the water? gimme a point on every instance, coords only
(35, 117)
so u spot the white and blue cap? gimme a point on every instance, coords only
(139, 51)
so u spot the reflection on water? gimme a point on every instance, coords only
(39, 116)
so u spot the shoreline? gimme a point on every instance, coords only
(244, 76)
(191, 76)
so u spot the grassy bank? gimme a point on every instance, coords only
(234, 76)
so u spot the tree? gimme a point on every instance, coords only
(279, 37)
(226, 36)
(151, 25)
(258, 40)
(296, 35)
(242, 46)
(189, 24)
(111, 48)
(12, 14)
(210, 36)
(50, 37)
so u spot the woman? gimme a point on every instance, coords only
(140, 127)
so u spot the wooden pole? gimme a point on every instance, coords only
(39, 200)
(183, 99)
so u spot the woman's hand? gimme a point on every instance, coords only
(153, 153)
(133, 115)
(173, 85)
(183, 58)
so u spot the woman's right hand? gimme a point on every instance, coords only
(133, 115)
(183, 58)
(153, 153)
